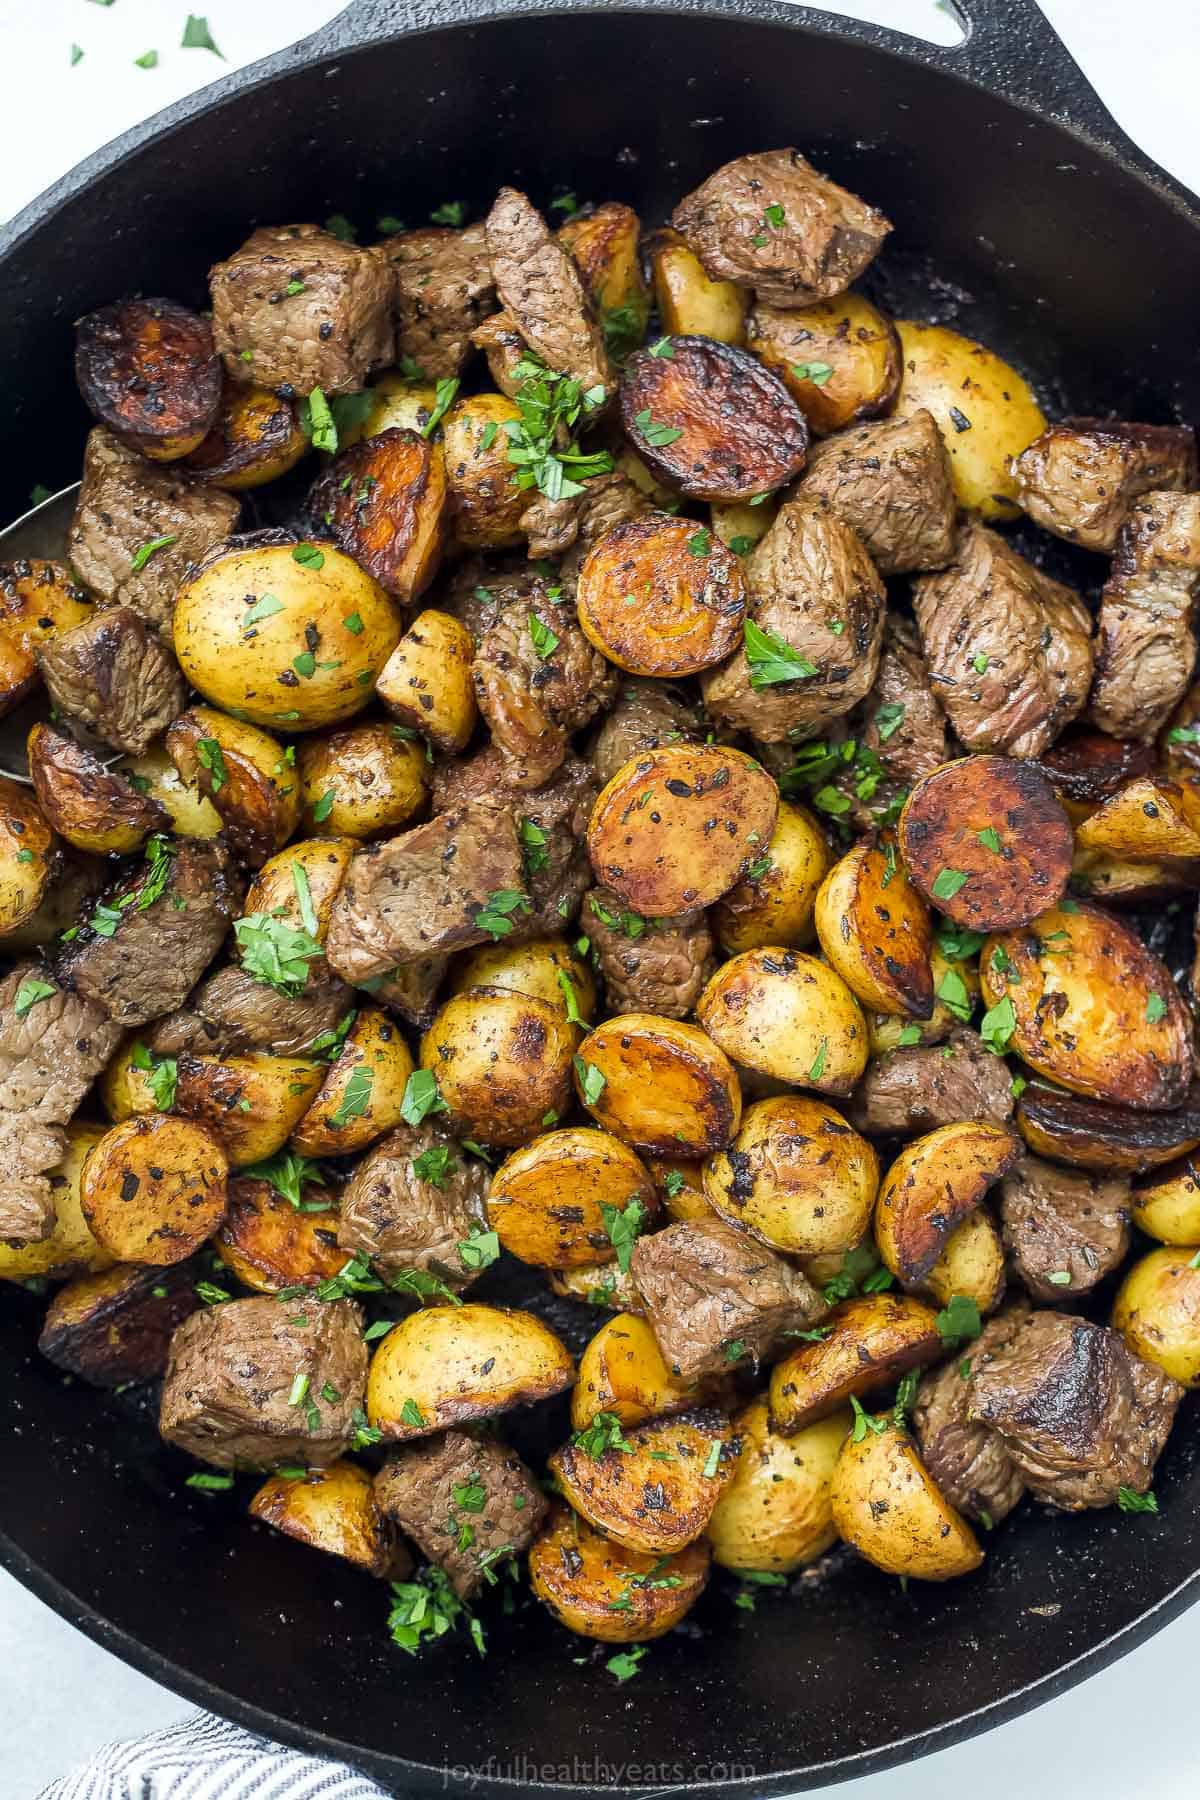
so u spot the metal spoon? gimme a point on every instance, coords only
(39, 533)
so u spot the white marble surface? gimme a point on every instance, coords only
(1129, 1729)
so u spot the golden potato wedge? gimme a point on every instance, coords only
(789, 1016)
(623, 1372)
(385, 502)
(148, 370)
(364, 782)
(741, 526)
(796, 1176)
(660, 596)
(502, 1062)
(951, 975)
(1091, 1134)
(486, 505)
(658, 1492)
(71, 1248)
(1149, 820)
(839, 359)
(548, 968)
(680, 1186)
(971, 1264)
(93, 807)
(28, 855)
(604, 246)
(447, 1364)
(255, 438)
(607, 1284)
(394, 402)
(774, 901)
(675, 827)
(426, 682)
(776, 1514)
(932, 1186)
(362, 1095)
(334, 1509)
(659, 1084)
(301, 883)
(250, 1103)
(270, 1244)
(863, 1348)
(115, 1327)
(599, 1589)
(689, 302)
(125, 1087)
(885, 1502)
(874, 928)
(1157, 1312)
(153, 1188)
(245, 774)
(1098, 876)
(38, 600)
(1086, 1004)
(192, 814)
(550, 1202)
(1166, 1204)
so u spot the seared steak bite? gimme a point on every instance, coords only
(969, 1461)
(891, 481)
(232, 1012)
(250, 1383)
(649, 965)
(646, 714)
(403, 1219)
(606, 502)
(1079, 1414)
(707, 1286)
(1008, 649)
(1080, 478)
(1146, 647)
(539, 286)
(115, 677)
(774, 223)
(329, 332)
(1064, 1230)
(901, 719)
(537, 679)
(920, 1087)
(466, 1502)
(442, 288)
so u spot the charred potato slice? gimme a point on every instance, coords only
(885, 1502)
(548, 968)
(502, 1062)
(1148, 820)
(971, 1264)
(364, 782)
(659, 1084)
(153, 773)
(1166, 1205)
(38, 600)
(689, 302)
(776, 1513)
(445, 1365)
(1093, 1135)
(1090, 1007)
(551, 1201)
(147, 369)
(486, 505)
(712, 420)
(932, 1186)
(796, 1177)
(153, 1188)
(622, 1371)
(270, 1244)
(243, 771)
(604, 246)
(652, 836)
(659, 596)
(249, 1103)
(1157, 1312)
(839, 359)
(788, 1016)
(775, 899)
(301, 883)
(658, 1493)
(93, 807)
(334, 1510)
(681, 1187)
(874, 929)
(384, 501)
(256, 438)
(600, 1589)
(863, 1348)
(71, 1248)
(362, 1095)
(115, 1327)
(28, 855)
(426, 682)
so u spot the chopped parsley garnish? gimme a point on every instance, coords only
(958, 942)
(208, 1483)
(30, 992)
(818, 1063)
(603, 1434)
(673, 1183)
(421, 1097)
(906, 1393)
(663, 347)
(323, 807)
(567, 988)
(1059, 1277)
(144, 552)
(861, 1272)
(657, 435)
(265, 607)
(534, 853)
(443, 400)
(355, 1103)
(309, 557)
(998, 1024)
(771, 660)
(864, 1421)
(959, 1321)
(1156, 1009)
(1131, 1502)
(889, 719)
(542, 638)
(288, 1173)
(450, 212)
(700, 542)
(480, 1250)
(947, 882)
(210, 756)
(624, 1665)
(624, 1226)
(910, 1035)
(426, 1609)
(712, 1461)
(989, 837)
(411, 1414)
(317, 422)
(496, 915)
(162, 1076)
(550, 405)
(592, 1081)
(275, 952)
(952, 992)
(435, 1165)
(816, 372)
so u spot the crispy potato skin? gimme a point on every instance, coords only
(396, 403)
(333, 1509)
(659, 597)
(115, 1327)
(38, 600)
(361, 1096)
(255, 439)
(72, 1248)
(872, 1342)
(681, 1186)
(874, 928)
(668, 1090)
(1166, 1205)
(1082, 986)
(623, 1371)
(153, 1188)
(539, 966)
(885, 1503)
(651, 836)
(690, 302)
(28, 855)
(363, 782)
(94, 808)
(934, 1183)
(502, 1061)
(486, 506)
(323, 861)
(788, 1016)
(192, 814)
(600, 1589)
(1090, 1134)
(250, 1103)
(850, 348)
(426, 682)
(1148, 820)
(953, 819)
(547, 1200)
(269, 1245)
(255, 792)
(1157, 1312)
(459, 1363)
(776, 1512)
(642, 1501)
(604, 246)
(797, 1177)
(147, 370)
(971, 1264)
(385, 502)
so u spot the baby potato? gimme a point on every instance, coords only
(551, 1201)
(657, 1494)
(1090, 1007)
(874, 929)
(242, 770)
(250, 1103)
(72, 1248)
(334, 1510)
(741, 526)
(124, 1087)
(885, 1502)
(147, 369)
(599, 1589)
(865, 1347)
(1149, 819)
(486, 505)
(675, 826)
(1166, 1204)
(659, 1084)
(255, 438)
(384, 500)
(270, 1244)
(986, 840)
(364, 782)
(300, 884)
(658, 596)
(547, 967)
(28, 855)
(604, 246)
(789, 1016)
(426, 682)
(93, 807)
(606, 1284)
(1157, 1312)
(689, 301)
(971, 1264)
(680, 1186)
(887, 1031)
(932, 1186)
(115, 1327)
(394, 402)
(445, 1365)
(622, 1371)
(775, 1513)
(774, 901)
(153, 1188)
(985, 412)
(1097, 876)
(502, 1062)
(38, 600)
(191, 813)
(289, 636)
(362, 1095)
(797, 1177)
(1090, 1134)
(839, 359)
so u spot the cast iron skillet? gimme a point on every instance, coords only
(1021, 213)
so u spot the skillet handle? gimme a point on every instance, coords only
(1012, 49)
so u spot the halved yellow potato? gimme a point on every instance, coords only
(788, 1016)
(623, 1372)
(796, 1176)
(600, 1589)
(363, 782)
(552, 1201)
(885, 1502)
(660, 1084)
(334, 1510)
(362, 1095)
(547, 967)
(934, 1183)
(251, 1103)
(426, 681)
(774, 900)
(839, 358)
(1166, 1204)
(1157, 1312)
(72, 1248)
(971, 1264)
(690, 302)
(153, 1189)
(301, 883)
(776, 1513)
(502, 1062)
(864, 1347)
(447, 1364)
(656, 1494)
(243, 772)
(874, 929)
(270, 1244)
(28, 855)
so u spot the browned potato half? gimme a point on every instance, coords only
(301, 883)
(658, 1492)
(839, 359)
(986, 840)
(28, 855)
(603, 1590)
(1148, 820)
(607, 1284)
(192, 814)
(796, 1177)
(675, 827)
(622, 1371)
(426, 682)
(774, 901)
(548, 968)
(394, 402)
(1086, 1004)
(971, 1264)
(1097, 876)
(742, 524)
(788, 1016)
(1166, 1204)
(776, 1513)
(153, 1188)
(38, 600)
(890, 1031)
(362, 1095)
(250, 1103)
(662, 596)
(243, 771)
(604, 246)
(148, 370)
(124, 1087)
(445, 1365)
(681, 1187)
(384, 501)
(689, 301)
(93, 807)
(270, 1244)
(886, 1503)
(1091, 1134)
(334, 1510)
(660, 1084)
(551, 1201)
(1157, 1312)
(256, 438)
(712, 420)
(874, 929)
(71, 1248)
(115, 1327)
(486, 506)
(932, 1186)
(502, 1062)
(364, 782)
(864, 1347)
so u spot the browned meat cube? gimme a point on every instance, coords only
(231, 1012)
(1146, 646)
(1064, 1229)
(250, 1383)
(539, 286)
(537, 680)
(968, 1461)
(442, 289)
(114, 676)
(606, 502)
(649, 965)
(1080, 478)
(901, 719)
(891, 481)
(647, 714)
(412, 990)
(466, 1502)
(921, 1087)
(403, 1218)
(329, 331)
(117, 1327)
